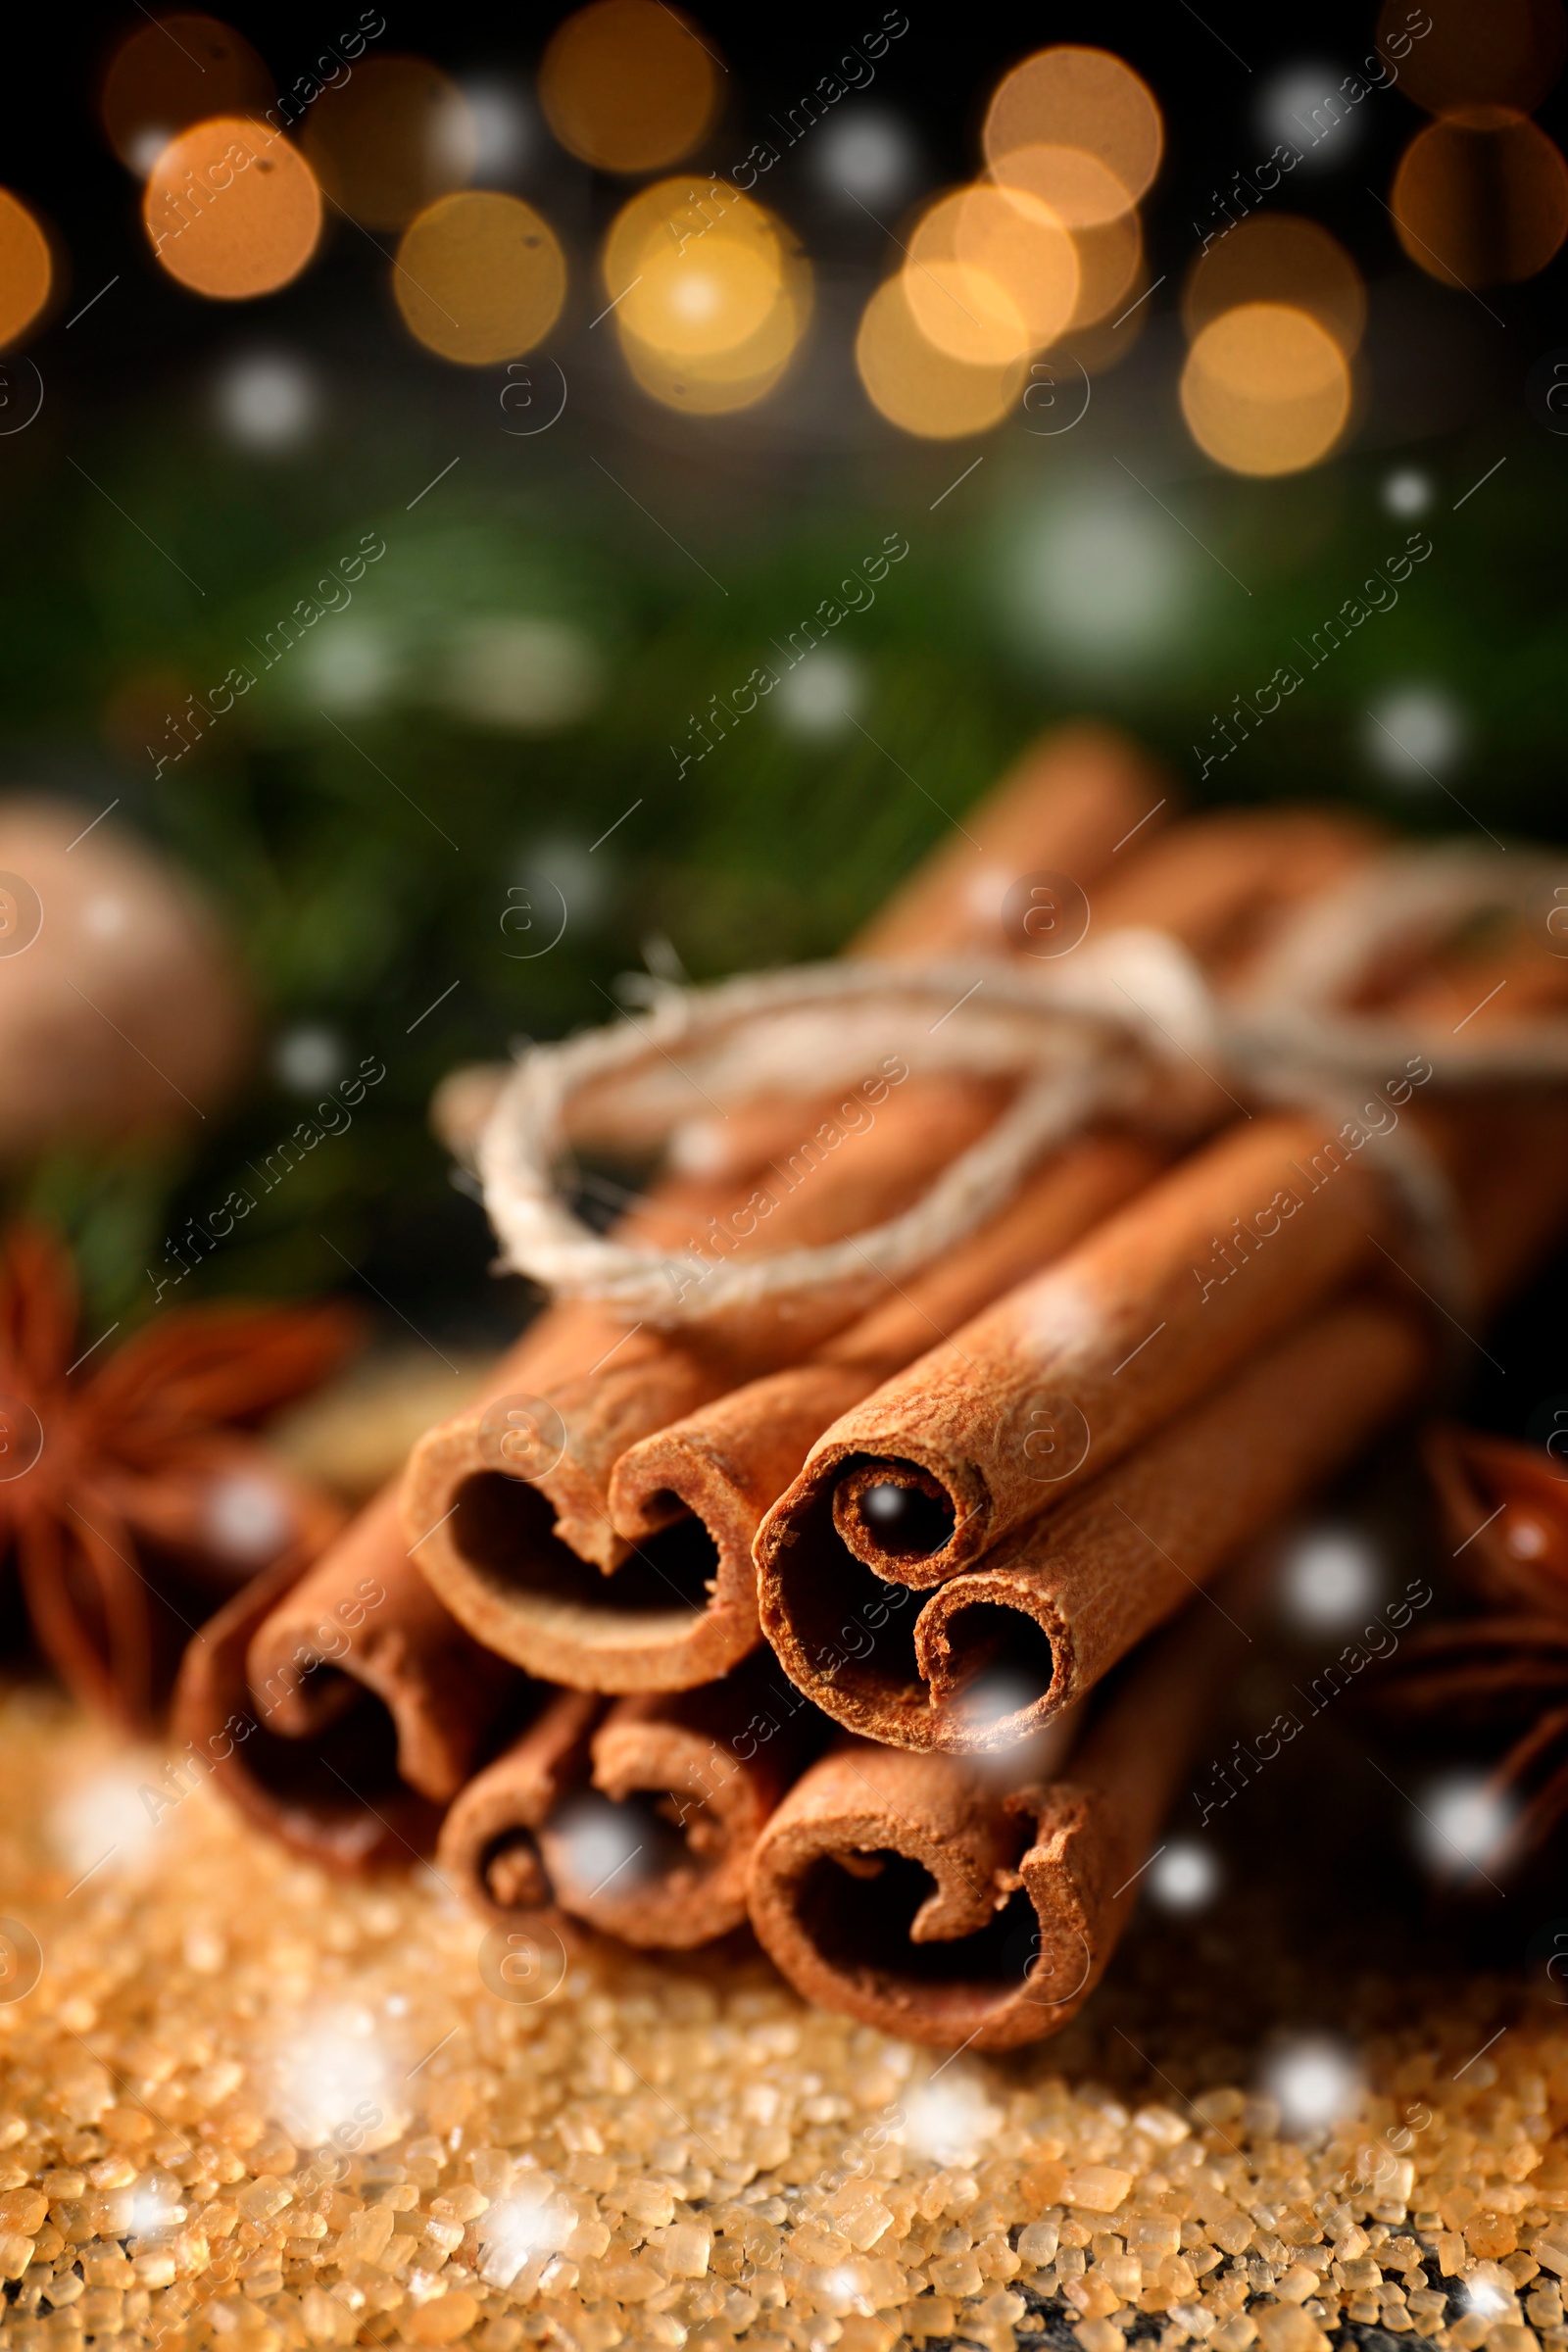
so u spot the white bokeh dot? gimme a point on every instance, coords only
(1315, 2082)
(867, 154)
(1327, 1577)
(1408, 492)
(1462, 1823)
(267, 401)
(1100, 581)
(1303, 106)
(309, 1058)
(1415, 735)
(1186, 1877)
(822, 696)
(501, 127)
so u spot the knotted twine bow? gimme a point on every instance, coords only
(1129, 1027)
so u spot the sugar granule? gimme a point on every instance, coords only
(243, 2106)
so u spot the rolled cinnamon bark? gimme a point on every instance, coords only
(1003, 1649)
(1215, 883)
(921, 1896)
(356, 1674)
(489, 1848)
(338, 1797)
(726, 1463)
(515, 1557)
(642, 1823)
(357, 1620)
(1064, 1375)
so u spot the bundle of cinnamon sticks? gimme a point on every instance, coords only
(875, 1616)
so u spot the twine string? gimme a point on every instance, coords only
(1129, 1028)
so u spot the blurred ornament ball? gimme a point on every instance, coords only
(121, 1007)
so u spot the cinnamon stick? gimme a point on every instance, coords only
(516, 1557)
(937, 1904)
(726, 1463)
(1004, 1646)
(642, 1821)
(1220, 883)
(1215, 883)
(1060, 1379)
(372, 1704)
(338, 1797)
(354, 1620)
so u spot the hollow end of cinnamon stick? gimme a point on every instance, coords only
(639, 1821)
(338, 1797)
(720, 1468)
(489, 1844)
(1004, 1646)
(904, 1891)
(362, 1621)
(971, 1902)
(485, 1541)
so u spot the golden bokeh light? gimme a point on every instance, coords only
(1279, 258)
(711, 295)
(1082, 99)
(678, 209)
(1481, 198)
(1266, 389)
(1508, 53)
(1015, 242)
(479, 277)
(921, 388)
(695, 273)
(26, 270)
(720, 383)
(1110, 258)
(1080, 189)
(705, 300)
(390, 142)
(627, 85)
(185, 68)
(232, 210)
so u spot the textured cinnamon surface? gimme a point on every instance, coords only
(358, 1617)
(728, 1462)
(1050, 1387)
(243, 2105)
(1067, 805)
(639, 1818)
(1033, 1857)
(1028, 1630)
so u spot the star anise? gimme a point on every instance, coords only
(1500, 1669)
(133, 1500)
